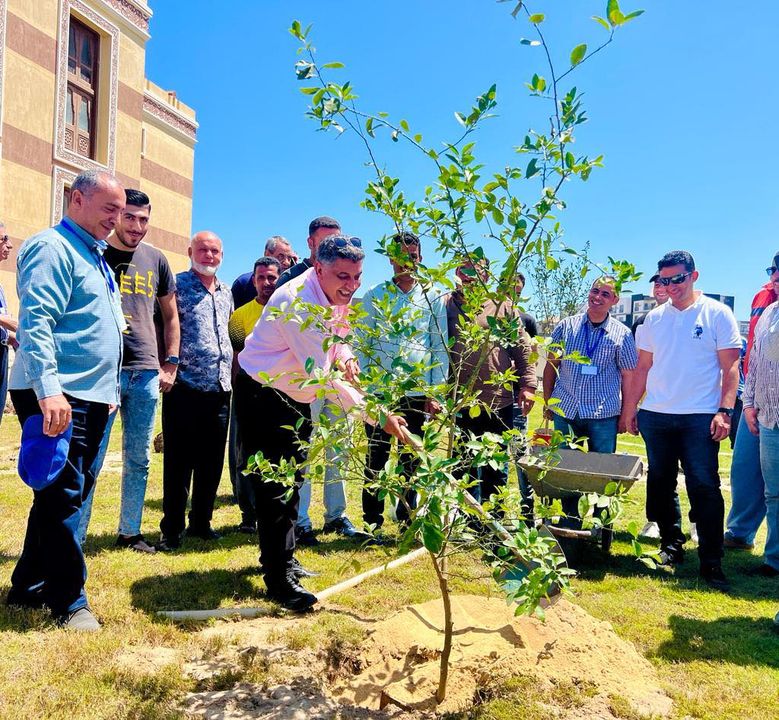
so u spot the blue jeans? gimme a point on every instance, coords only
(334, 492)
(671, 439)
(769, 461)
(51, 567)
(139, 391)
(601, 433)
(747, 488)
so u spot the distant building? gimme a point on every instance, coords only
(74, 96)
(743, 327)
(633, 306)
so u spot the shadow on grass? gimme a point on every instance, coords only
(195, 590)
(592, 564)
(737, 640)
(223, 500)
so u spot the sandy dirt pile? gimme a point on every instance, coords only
(400, 658)
(394, 673)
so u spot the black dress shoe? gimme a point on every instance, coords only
(300, 571)
(714, 577)
(168, 544)
(306, 537)
(764, 571)
(288, 593)
(207, 533)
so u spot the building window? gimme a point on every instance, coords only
(80, 103)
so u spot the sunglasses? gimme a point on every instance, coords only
(771, 270)
(674, 279)
(342, 242)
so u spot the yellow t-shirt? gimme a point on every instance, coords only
(242, 322)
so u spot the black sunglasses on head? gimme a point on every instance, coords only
(342, 242)
(674, 279)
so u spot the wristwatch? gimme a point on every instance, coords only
(725, 411)
(172, 359)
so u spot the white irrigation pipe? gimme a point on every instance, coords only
(252, 612)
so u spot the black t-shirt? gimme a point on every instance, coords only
(142, 276)
(530, 324)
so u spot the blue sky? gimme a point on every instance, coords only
(682, 105)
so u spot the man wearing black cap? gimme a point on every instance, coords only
(747, 484)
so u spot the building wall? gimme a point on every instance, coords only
(145, 135)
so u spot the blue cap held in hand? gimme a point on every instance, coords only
(41, 458)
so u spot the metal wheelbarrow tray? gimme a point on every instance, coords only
(572, 472)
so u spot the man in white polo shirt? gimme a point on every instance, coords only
(688, 364)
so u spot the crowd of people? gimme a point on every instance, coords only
(104, 326)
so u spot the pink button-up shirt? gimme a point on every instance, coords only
(279, 346)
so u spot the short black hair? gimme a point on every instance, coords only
(405, 238)
(521, 277)
(137, 198)
(677, 257)
(266, 261)
(323, 221)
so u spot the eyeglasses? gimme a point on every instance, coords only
(674, 279)
(342, 242)
(770, 271)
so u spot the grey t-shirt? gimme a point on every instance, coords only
(142, 276)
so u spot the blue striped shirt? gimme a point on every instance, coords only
(611, 350)
(70, 317)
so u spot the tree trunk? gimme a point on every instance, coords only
(443, 583)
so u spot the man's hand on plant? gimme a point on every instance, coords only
(57, 414)
(750, 416)
(525, 400)
(394, 426)
(432, 407)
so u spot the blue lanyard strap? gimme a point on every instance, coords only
(589, 350)
(102, 265)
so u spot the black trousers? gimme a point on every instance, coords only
(262, 414)
(413, 410)
(497, 422)
(194, 431)
(51, 568)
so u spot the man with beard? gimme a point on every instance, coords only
(195, 412)
(144, 279)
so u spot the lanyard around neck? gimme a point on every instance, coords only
(589, 350)
(102, 265)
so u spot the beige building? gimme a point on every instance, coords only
(74, 96)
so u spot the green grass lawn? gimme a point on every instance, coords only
(716, 655)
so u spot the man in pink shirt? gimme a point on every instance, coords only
(278, 358)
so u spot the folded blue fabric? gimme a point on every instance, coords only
(41, 458)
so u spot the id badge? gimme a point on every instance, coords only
(589, 369)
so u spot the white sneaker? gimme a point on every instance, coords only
(650, 531)
(693, 533)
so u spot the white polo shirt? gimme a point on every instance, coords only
(685, 376)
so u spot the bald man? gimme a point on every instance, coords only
(195, 412)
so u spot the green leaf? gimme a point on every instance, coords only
(537, 18)
(404, 125)
(474, 411)
(570, 160)
(610, 488)
(578, 53)
(632, 15)
(394, 136)
(460, 118)
(309, 90)
(602, 21)
(531, 43)
(333, 65)
(432, 538)
(369, 127)
(309, 365)
(614, 14)
(532, 168)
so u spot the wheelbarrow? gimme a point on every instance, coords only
(572, 473)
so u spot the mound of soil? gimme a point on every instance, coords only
(400, 659)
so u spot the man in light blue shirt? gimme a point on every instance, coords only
(404, 334)
(67, 370)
